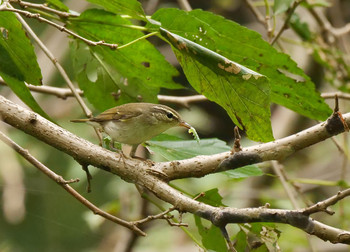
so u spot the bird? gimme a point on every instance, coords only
(135, 123)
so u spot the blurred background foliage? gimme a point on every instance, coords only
(37, 215)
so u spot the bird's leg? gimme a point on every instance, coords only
(111, 147)
(133, 151)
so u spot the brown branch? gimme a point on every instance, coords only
(278, 170)
(327, 26)
(332, 95)
(322, 205)
(282, 148)
(44, 7)
(62, 93)
(286, 22)
(59, 27)
(60, 69)
(64, 183)
(182, 100)
(256, 13)
(135, 171)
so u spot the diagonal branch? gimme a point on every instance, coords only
(65, 184)
(44, 7)
(57, 26)
(137, 171)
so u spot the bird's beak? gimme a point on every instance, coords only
(185, 124)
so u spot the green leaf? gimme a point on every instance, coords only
(212, 197)
(301, 28)
(138, 70)
(171, 149)
(124, 7)
(101, 83)
(18, 61)
(244, 172)
(281, 6)
(22, 91)
(246, 47)
(212, 237)
(17, 57)
(267, 233)
(57, 4)
(241, 241)
(242, 92)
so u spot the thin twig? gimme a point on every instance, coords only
(60, 69)
(138, 39)
(64, 183)
(57, 65)
(237, 143)
(59, 27)
(44, 7)
(182, 100)
(286, 22)
(331, 95)
(256, 13)
(322, 205)
(277, 168)
(62, 93)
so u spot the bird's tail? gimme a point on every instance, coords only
(79, 120)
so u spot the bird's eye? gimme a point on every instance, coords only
(170, 115)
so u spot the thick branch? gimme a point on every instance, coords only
(138, 172)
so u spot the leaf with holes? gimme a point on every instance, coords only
(242, 92)
(138, 70)
(290, 86)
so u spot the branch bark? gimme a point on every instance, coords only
(144, 173)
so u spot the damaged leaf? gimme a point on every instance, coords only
(245, 94)
(247, 48)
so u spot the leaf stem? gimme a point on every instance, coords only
(138, 39)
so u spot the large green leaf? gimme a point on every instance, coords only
(103, 86)
(138, 70)
(126, 7)
(17, 57)
(290, 86)
(18, 61)
(242, 92)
